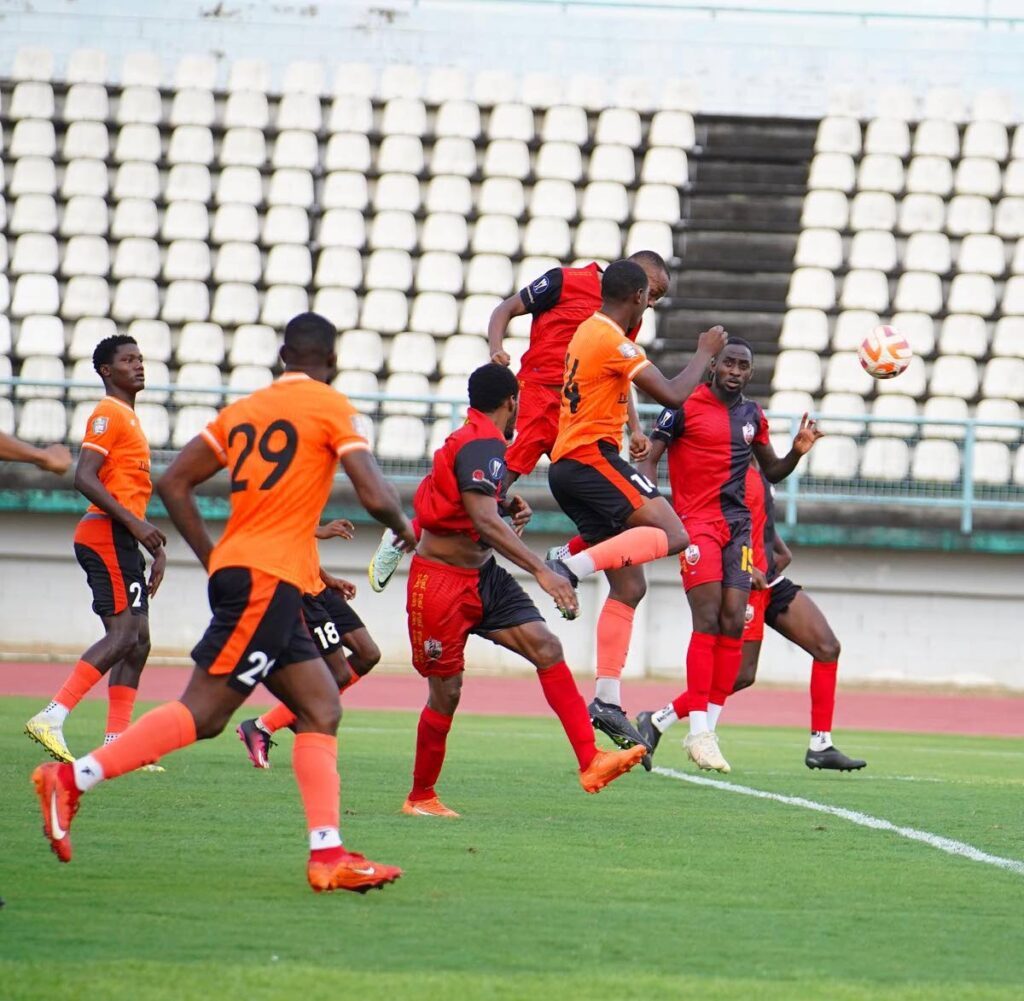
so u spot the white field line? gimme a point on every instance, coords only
(947, 845)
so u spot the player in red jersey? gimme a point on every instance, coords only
(112, 473)
(615, 509)
(789, 611)
(710, 440)
(282, 446)
(456, 587)
(345, 644)
(49, 458)
(559, 301)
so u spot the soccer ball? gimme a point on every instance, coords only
(884, 353)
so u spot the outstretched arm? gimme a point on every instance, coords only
(649, 466)
(776, 468)
(51, 458)
(193, 465)
(498, 324)
(675, 391)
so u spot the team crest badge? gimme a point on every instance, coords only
(748, 432)
(748, 615)
(99, 424)
(432, 648)
(692, 555)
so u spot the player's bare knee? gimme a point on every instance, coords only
(826, 649)
(731, 622)
(547, 650)
(445, 694)
(369, 654)
(210, 721)
(745, 678)
(629, 592)
(678, 540)
(140, 653)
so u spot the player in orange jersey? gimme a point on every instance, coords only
(456, 587)
(337, 628)
(616, 510)
(49, 458)
(113, 473)
(281, 446)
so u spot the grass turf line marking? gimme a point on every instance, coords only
(947, 845)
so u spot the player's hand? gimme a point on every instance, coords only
(561, 590)
(157, 569)
(55, 459)
(149, 535)
(639, 446)
(758, 581)
(808, 434)
(406, 539)
(501, 358)
(340, 528)
(344, 587)
(520, 513)
(714, 340)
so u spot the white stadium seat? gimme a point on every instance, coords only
(963, 335)
(928, 252)
(978, 176)
(412, 352)
(401, 437)
(844, 374)
(187, 259)
(865, 290)
(657, 203)
(972, 294)
(825, 210)
(490, 274)
(243, 148)
(41, 368)
(838, 135)
(35, 295)
(476, 312)
(605, 200)
(656, 236)
(248, 378)
(32, 63)
(401, 384)
(201, 342)
(1004, 379)
(353, 383)
(812, 288)
(449, 194)
(34, 253)
(872, 210)
(934, 137)
(982, 253)
(920, 213)
(84, 216)
(31, 99)
(546, 237)
(495, 234)
(992, 463)
(969, 214)
(852, 326)
(998, 410)
(136, 257)
(1008, 340)
(389, 269)
(911, 383)
(33, 175)
(457, 118)
(85, 295)
(88, 332)
(832, 171)
(618, 125)
(238, 262)
(835, 406)
(986, 139)
(153, 338)
(1009, 221)
(873, 249)
(254, 344)
(616, 163)
(40, 335)
(463, 354)
(936, 461)
(185, 301)
(889, 136)
(33, 137)
(836, 461)
(881, 172)
(599, 239)
(284, 224)
(560, 161)
(788, 404)
(84, 177)
(885, 459)
(33, 214)
(804, 328)
(339, 305)
(893, 406)
(191, 420)
(501, 196)
(84, 372)
(42, 421)
(950, 408)
(136, 179)
(281, 303)
(404, 116)
(362, 350)
(194, 377)
(434, 313)
(135, 299)
(340, 267)
(300, 112)
(507, 158)
(955, 375)
(797, 370)
(672, 128)
(664, 165)
(342, 228)
(918, 292)
(393, 230)
(555, 199)
(451, 155)
(235, 303)
(563, 123)
(385, 310)
(135, 217)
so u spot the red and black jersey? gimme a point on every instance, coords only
(471, 458)
(760, 501)
(559, 301)
(709, 448)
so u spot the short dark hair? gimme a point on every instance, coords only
(622, 280)
(103, 353)
(655, 260)
(741, 342)
(310, 335)
(490, 385)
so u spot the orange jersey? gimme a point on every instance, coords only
(114, 431)
(312, 584)
(600, 366)
(281, 445)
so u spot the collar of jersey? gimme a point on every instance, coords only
(293, 377)
(479, 419)
(120, 403)
(607, 319)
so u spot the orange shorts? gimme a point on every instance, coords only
(757, 604)
(536, 426)
(257, 627)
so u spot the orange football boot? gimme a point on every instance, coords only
(58, 801)
(337, 869)
(432, 807)
(607, 766)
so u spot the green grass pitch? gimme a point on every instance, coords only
(191, 884)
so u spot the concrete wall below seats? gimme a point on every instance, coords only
(917, 617)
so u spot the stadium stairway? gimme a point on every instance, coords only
(737, 236)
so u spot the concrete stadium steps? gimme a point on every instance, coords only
(737, 237)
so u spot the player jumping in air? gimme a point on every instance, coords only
(789, 611)
(709, 440)
(281, 446)
(616, 510)
(113, 473)
(559, 301)
(456, 587)
(49, 458)
(336, 627)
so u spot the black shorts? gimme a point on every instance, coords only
(113, 565)
(257, 627)
(781, 597)
(598, 490)
(330, 619)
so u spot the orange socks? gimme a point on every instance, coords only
(119, 709)
(276, 719)
(152, 736)
(630, 548)
(81, 679)
(614, 631)
(315, 762)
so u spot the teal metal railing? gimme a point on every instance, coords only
(964, 488)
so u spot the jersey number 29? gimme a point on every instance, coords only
(275, 451)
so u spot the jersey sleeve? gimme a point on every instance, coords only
(102, 431)
(348, 429)
(215, 434)
(668, 426)
(480, 466)
(761, 437)
(543, 293)
(626, 358)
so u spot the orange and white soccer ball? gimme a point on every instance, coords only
(884, 353)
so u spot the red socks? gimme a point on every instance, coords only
(823, 694)
(567, 704)
(315, 762)
(728, 654)
(81, 679)
(614, 631)
(152, 736)
(576, 545)
(119, 708)
(431, 739)
(630, 548)
(700, 669)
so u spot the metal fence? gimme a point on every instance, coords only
(959, 482)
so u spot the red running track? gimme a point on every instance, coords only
(897, 710)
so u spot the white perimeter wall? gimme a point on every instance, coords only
(915, 617)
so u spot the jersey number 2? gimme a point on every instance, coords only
(281, 457)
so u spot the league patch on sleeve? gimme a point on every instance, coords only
(100, 425)
(478, 475)
(628, 350)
